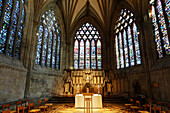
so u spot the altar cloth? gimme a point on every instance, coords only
(96, 101)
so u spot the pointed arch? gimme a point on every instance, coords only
(87, 54)
(126, 40)
(10, 34)
(161, 22)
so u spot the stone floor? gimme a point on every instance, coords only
(70, 108)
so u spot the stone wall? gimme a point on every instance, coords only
(12, 79)
(162, 77)
(45, 82)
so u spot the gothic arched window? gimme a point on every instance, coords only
(12, 15)
(48, 46)
(126, 40)
(87, 48)
(160, 14)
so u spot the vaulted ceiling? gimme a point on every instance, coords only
(74, 10)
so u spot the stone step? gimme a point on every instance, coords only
(72, 100)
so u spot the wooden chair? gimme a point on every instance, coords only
(148, 107)
(167, 111)
(157, 109)
(6, 108)
(18, 104)
(159, 104)
(135, 108)
(40, 106)
(27, 102)
(50, 105)
(20, 109)
(127, 106)
(7, 111)
(26, 105)
(31, 108)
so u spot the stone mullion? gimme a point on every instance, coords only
(134, 51)
(123, 48)
(96, 53)
(16, 34)
(101, 54)
(59, 50)
(118, 50)
(42, 44)
(90, 54)
(52, 48)
(85, 54)
(128, 45)
(3, 13)
(10, 28)
(48, 38)
(56, 50)
(78, 52)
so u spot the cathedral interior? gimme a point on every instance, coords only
(59, 48)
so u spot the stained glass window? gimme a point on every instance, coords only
(99, 56)
(48, 45)
(20, 33)
(54, 52)
(93, 55)
(87, 48)
(160, 20)
(127, 46)
(12, 28)
(117, 52)
(125, 49)
(167, 9)
(136, 41)
(81, 59)
(1, 5)
(49, 49)
(39, 44)
(76, 51)
(87, 54)
(44, 53)
(131, 51)
(5, 25)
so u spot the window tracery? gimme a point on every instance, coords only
(126, 41)
(161, 22)
(87, 48)
(11, 30)
(48, 46)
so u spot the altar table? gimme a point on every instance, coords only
(96, 101)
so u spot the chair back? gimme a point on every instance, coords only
(31, 106)
(7, 111)
(18, 104)
(27, 102)
(148, 108)
(21, 108)
(131, 101)
(159, 104)
(5, 106)
(149, 101)
(157, 109)
(39, 103)
(138, 103)
(45, 100)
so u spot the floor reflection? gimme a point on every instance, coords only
(70, 108)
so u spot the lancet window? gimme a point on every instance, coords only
(126, 36)
(87, 48)
(160, 14)
(49, 37)
(12, 19)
